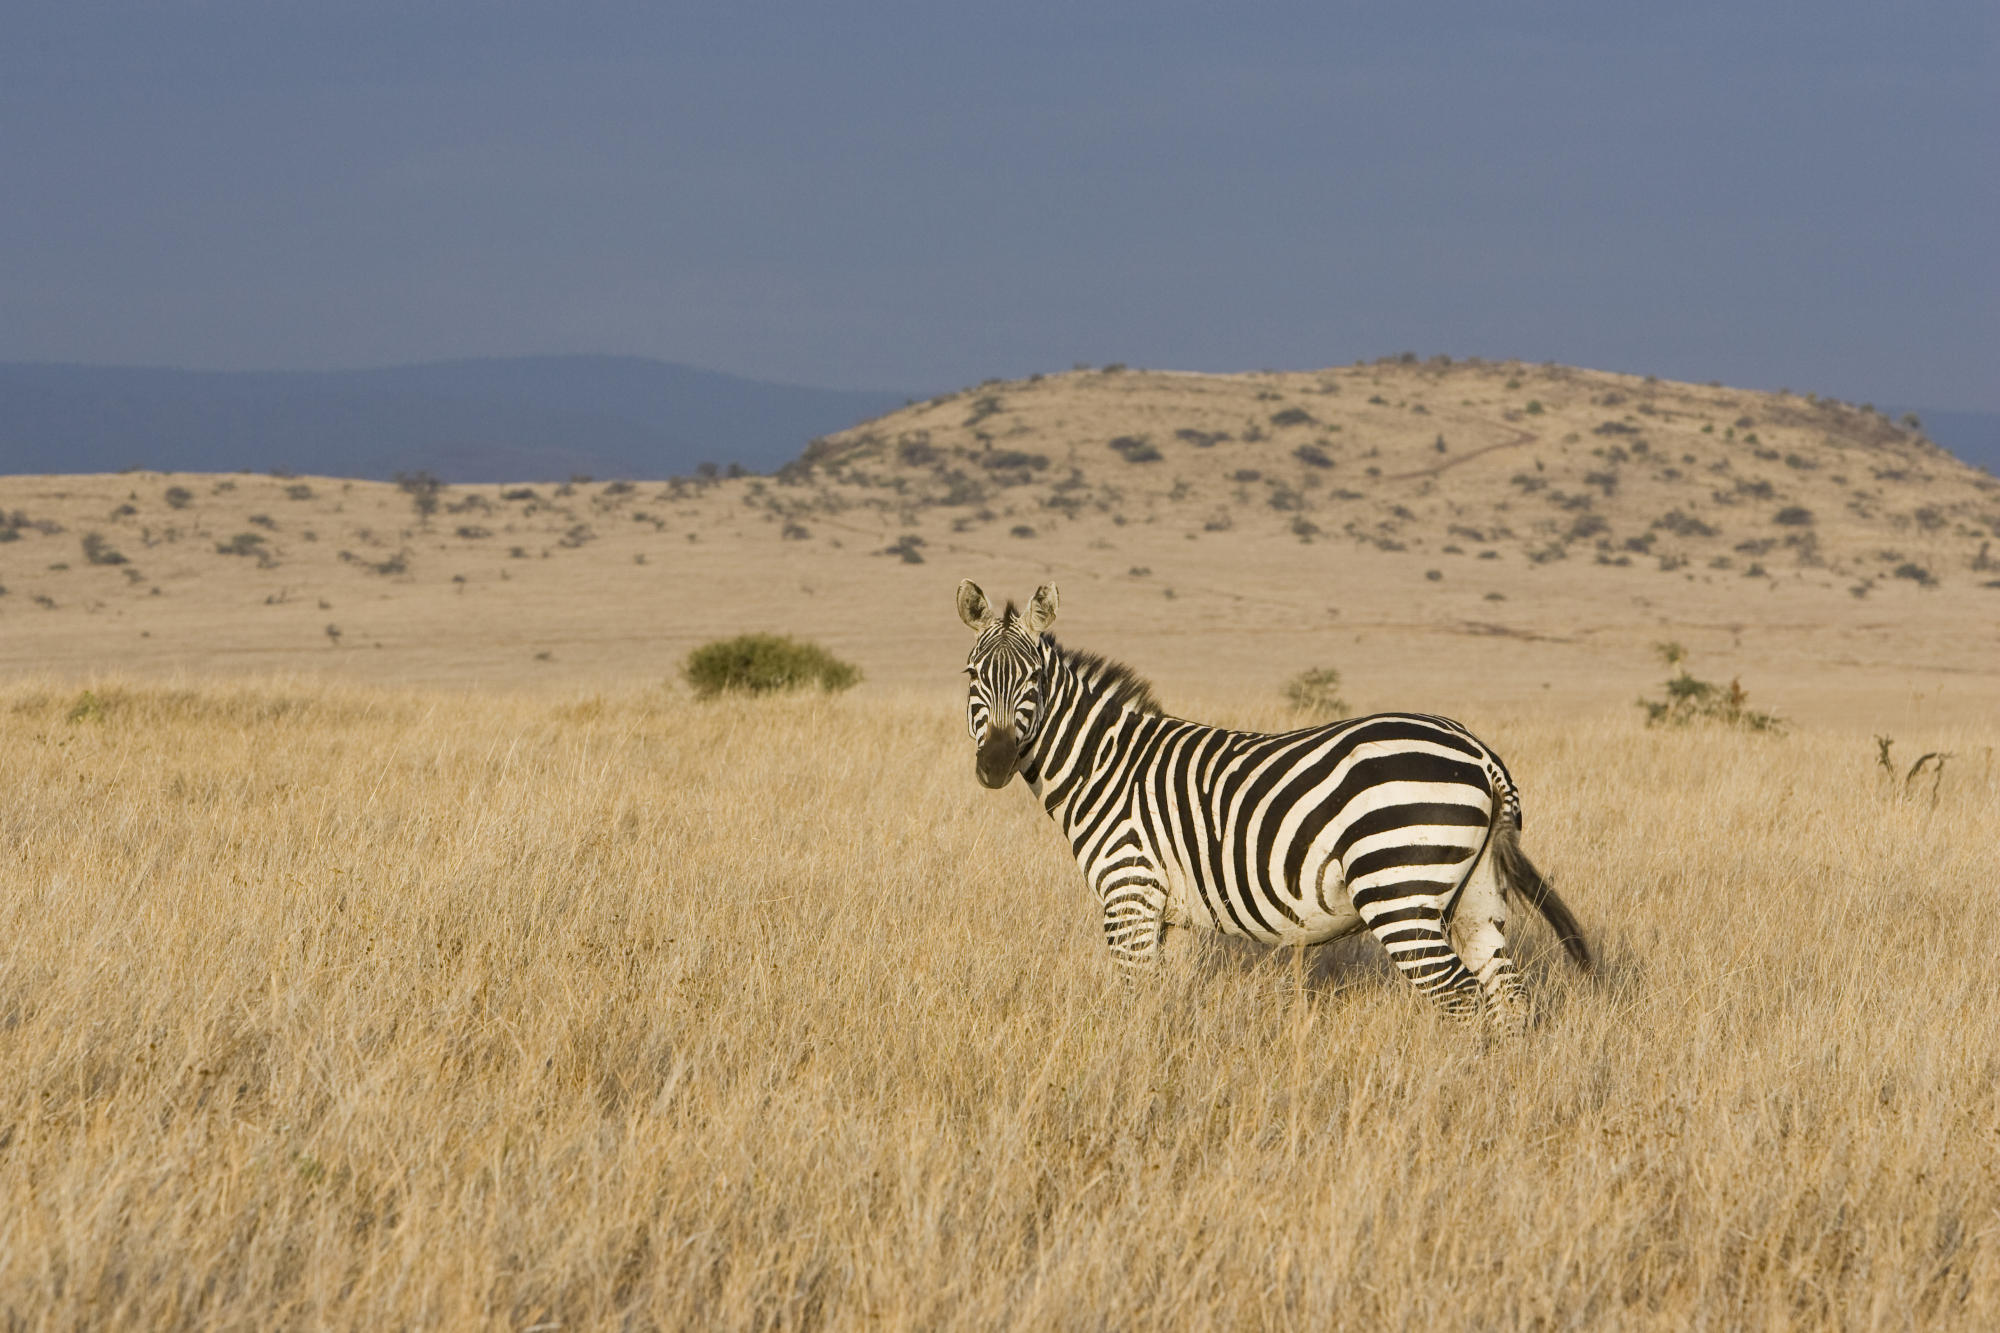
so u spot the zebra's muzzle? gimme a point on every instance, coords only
(998, 755)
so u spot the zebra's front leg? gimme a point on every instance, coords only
(1135, 923)
(1414, 935)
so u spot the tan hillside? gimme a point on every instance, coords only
(1448, 535)
(1549, 462)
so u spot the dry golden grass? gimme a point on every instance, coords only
(335, 1005)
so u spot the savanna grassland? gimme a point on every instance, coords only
(336, 1005)
(388, 938)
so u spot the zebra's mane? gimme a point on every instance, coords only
(1128, 689)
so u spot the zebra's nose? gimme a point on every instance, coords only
(997, 755)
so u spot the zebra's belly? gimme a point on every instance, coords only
(1188, 906)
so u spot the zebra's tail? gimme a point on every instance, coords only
(1518, 873)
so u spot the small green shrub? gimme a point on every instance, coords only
(906, 548)
(763, 664)
(1315, 692)
(1136, 449)
(423, 490)
(1688, 700)
(100, 552)
(1916, 574)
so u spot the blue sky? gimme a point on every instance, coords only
(917, 196)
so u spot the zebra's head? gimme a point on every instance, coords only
(1004, 702)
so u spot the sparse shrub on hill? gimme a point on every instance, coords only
(765, 664)
(1315, 694)
(395, 565)
(99, 551)
(960, 489)
(1683, 524)
(1916, 574)
(1135, 449)
(907, 548)
(984, 406)
(1793, 516)
(423, 490)
(14, 524)
(1587, 526)
(1009, 459)
(179, 497)
(1292, 416)
(1688, 700)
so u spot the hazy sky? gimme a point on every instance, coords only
(917, 196)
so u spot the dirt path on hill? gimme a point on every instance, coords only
(1521, 437)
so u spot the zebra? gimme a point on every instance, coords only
(1403, 824)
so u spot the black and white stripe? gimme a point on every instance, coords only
(1402, 824)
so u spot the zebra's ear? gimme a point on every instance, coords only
(1042, 611)
(973, 608)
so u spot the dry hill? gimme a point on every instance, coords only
(1550, 463)
(1446, 533)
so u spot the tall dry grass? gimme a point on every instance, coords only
(362, 1008)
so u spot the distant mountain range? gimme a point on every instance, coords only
(517, 419)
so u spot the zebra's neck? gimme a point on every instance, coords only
(1092, 708)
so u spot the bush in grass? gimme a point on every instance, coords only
(763, 664)
(1687, 700)
(1315, 693)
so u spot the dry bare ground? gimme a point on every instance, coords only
(1438, 531)
(345, 1005)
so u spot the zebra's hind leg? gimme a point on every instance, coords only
(1415, 937)
(1479, 932)
(1485, 956)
